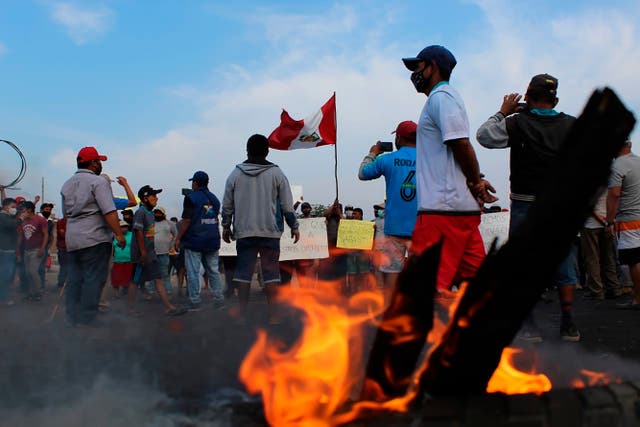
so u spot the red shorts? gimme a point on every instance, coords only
(462, 247)
(121, 274)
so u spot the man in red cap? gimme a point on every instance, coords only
(92, 220)
(399, 171)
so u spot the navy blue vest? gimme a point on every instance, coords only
(203, 234)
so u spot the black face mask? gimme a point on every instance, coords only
(419, 82)
(159, 218)
(46, 214)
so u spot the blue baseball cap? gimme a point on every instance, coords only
(439, 54)
(200, 177)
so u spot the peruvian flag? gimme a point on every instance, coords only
(316, 130)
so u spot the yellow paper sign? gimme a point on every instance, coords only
(355, 234)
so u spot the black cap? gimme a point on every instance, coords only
(543, 84)
(439, 54)
(147, 191)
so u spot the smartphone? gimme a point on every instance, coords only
(186, 191)
(386, 146)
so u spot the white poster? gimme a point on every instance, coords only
(494, 226)
(312, 243)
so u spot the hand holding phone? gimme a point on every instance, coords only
(386, 146)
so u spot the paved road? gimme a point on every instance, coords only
(145, 359)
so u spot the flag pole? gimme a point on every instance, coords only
(335, 147)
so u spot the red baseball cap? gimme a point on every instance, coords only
(88, 154)
(406, 129)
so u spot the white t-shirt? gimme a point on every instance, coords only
(440, 182)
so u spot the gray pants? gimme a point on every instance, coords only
(600, 261)
(31, 262)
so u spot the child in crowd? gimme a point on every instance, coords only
(123, 268)
(143, 248)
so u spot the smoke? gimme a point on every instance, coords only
(108, 402)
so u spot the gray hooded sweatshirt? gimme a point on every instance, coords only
(256, 199)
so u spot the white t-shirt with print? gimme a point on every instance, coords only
(440, 182)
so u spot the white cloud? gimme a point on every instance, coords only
(82, 24)
(374, 94)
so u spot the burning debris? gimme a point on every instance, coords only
(316, 380)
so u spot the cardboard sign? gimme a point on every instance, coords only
(494, 226)
(355, 234)
(312, 243)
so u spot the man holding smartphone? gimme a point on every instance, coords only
(399, 171)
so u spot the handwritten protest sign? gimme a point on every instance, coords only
(312, 243)
(494, 226)
(355, 234)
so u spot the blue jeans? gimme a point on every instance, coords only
(163, 260)
(193, 260)
(42, 268)
(566, 274)
(31, 262)
(88, 271)
(62, 262)
(7, 271)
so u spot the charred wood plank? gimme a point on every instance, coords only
(405, 325)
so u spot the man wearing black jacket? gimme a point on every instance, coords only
(535, 134)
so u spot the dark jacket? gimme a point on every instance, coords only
(202, 208)
(535, 142)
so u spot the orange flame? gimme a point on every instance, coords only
(509, 380)
(306, 384)
(311, 382)
(592, 378)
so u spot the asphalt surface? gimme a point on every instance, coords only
(175, 362)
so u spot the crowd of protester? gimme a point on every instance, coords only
(435, 193)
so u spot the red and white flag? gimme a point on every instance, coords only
(316, 130)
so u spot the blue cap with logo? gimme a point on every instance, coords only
(439, 54)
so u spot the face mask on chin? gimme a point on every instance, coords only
(46, 214)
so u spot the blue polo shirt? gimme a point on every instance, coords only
(399, 171)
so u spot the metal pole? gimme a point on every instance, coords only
(335, 147)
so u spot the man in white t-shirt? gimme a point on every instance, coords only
(451, 189)
(623, 215)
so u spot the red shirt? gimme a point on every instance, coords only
(32, 231)
(61, 232)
